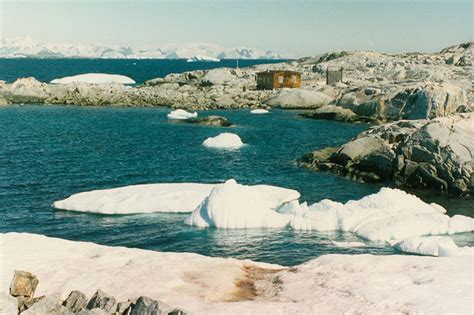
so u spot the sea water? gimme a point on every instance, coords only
(50, 152)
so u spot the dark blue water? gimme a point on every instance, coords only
(140, 70)
(50, 152)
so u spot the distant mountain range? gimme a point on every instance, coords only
(28, 48)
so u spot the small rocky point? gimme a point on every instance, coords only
(21, 300)
(436, 154)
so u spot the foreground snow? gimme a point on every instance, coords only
(138, 199)
(95, 78)
(181, 114)
(225, 140)
(329, 284)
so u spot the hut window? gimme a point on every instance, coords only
(280, 79)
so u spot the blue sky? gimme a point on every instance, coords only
(300, 27)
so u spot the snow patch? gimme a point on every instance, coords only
(138, 199)
(181, 114)
(203, 58)
(225, 140)
(94, 78)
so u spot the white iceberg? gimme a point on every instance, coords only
(259, 111)
(203, 58)
(181, 114)
(390, 214)
(225, 140)
(235, 206)
(95, 78)
(149, 198)
(432, 246)
(330, 284)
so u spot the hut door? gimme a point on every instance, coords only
(280, 79)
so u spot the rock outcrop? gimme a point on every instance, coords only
(435, 154)
(21, 300)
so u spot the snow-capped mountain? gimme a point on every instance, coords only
(27, 47)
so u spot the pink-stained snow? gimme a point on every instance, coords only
(95, 78)
(331, 284)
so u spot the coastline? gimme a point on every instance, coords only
(199, 284)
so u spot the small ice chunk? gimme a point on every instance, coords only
(181, 114)
(432, 246)
(259, 111)
(225, 140)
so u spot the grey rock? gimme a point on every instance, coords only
(101, 300)
(75, 301)
(48, 305)
(23, 284)
(358, 148)
(148, 306)
(178, 311)
(216, 121)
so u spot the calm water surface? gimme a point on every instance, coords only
(50, 152)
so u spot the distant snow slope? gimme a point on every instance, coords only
(330, 284)
(27, 47)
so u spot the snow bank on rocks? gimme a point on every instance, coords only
(299, 98)
(181, 114)
(149, 198)
(330, 284)
(259, 111)
(224, 140)
(231, 205)
(95, 78)
(433, 246)
(390, 214)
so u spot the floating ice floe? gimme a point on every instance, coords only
(95, 78)
(432, 246)
(181, 114)
(259, 111)
(149, 198)
(235, 206)
(330, 284)
(224, 140)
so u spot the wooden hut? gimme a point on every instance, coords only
(277, 79)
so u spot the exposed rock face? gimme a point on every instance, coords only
(423, 154)
(101, 300)
(299, 98)
(76, 301)
(147, 306)
(23, 284)
(216, 121)
(48, 305)
(332, 112)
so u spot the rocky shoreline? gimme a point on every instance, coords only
(432, 154)
(22, 301)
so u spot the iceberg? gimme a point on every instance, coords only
(225, 140)
(95, 78)
(330, 284)
(202, 58)
(148, 198)
(259, 111)
(181, 114)
(234, 206)
(390, 214)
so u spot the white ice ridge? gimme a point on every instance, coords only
(231, 205)
(95, 78)
(181, 114)
(330, 284)
(432, 246)
(259, 111)
(203, 58)
(148, 198)
(225, 140)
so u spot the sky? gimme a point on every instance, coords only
(298, 27)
